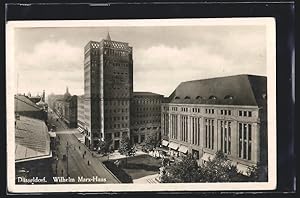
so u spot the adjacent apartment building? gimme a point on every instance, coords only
(107, 90)
(145, 116)
(226, 113)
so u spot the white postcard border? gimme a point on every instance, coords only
(237, 186)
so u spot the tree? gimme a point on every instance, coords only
(126, 148)
(218, 169)
(186, 170)
(257, 173)
(104, 147)
(150, 142)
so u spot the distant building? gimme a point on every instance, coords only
(226, 113)
(52, 98)
(66, 109)
(24, 106)
(107, 90)
(145, 116)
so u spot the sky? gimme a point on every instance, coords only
(51, 59)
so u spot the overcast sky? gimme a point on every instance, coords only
(52, 58)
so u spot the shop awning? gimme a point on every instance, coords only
(173, 145)
(80, 129)
(164, 142)
(183, 149)
(243, 169)
(207, 156)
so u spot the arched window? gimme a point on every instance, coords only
(199, 97)
(228, 97)
(212, 97)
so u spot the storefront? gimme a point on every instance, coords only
(174, 149)
(206, 157)
(183, 150)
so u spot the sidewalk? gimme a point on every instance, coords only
(150, 179)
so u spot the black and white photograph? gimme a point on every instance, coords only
(141, 105)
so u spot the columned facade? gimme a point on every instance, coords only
(206, 133)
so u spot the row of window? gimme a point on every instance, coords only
(115, 110)
(245, 113)
(148, 109)
(196, 110)
(120, 87)
(209, 111)
(120, 73)
(147, 121)
(212, 111)
(225, 112)
(201, 97)
(142, 115)
(116, 126)
(148, 128)
(118, 102)
(184, 109)
(116, 64)
(244, 134)
(174, 108)
(116, 118)
(147, 101)
(112, 52)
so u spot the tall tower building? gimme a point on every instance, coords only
(107, 91)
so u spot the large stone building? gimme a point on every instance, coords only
(226, 113)
(145, 116)
(66, 109)
(107, 90)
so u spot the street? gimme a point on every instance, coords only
(78, 161)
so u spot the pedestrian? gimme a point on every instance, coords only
(79, 147)
(84, 152)
(88, 162)
(62, 172)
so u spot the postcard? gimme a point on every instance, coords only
(141, 105)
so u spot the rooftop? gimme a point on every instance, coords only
(32, 140)
(230, 90)
(145, 94)
(22, 103)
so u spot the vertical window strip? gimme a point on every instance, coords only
(212, 134)
(240, 139)
(229, 137)
(222, 140)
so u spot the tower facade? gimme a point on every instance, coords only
(107, 91)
